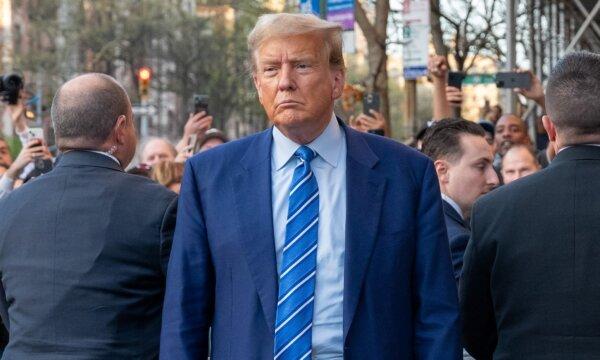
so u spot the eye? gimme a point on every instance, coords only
(302, 66)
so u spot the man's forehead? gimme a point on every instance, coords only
(476, 147)
(299, 46)
(510, 120)
(519, 154)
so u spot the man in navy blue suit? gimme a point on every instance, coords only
(308, 240)
(463, 162)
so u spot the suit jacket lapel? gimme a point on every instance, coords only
(255, 219)
(365, 191)
(449, 211)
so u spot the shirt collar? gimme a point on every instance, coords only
(569, 146)
(453, 204)
(328, 145)
(105, 154)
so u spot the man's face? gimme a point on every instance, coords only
(157, 150)
(517, 163)
(5, 158)
(295, 83)
(510, 130)
(472, 175)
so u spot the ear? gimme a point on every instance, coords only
(550, 128)
(441, 169)
(339, 80)
(120, 130)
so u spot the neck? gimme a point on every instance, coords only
(304, 135)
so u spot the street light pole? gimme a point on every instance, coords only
(511, 52)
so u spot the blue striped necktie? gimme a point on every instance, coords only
(293, 325)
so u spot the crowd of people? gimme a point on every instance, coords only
(312, 239)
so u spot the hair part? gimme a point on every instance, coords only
(442, 139)
(572, 96)
(285, 25)
(86, 110)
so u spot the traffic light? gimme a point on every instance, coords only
(144, 75)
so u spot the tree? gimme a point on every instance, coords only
(376, 35)
(466, 29)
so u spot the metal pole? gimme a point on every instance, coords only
(144, 119)
(539, 60)
(40, 96)
(410, 105)
(585, 14)
(583, 27)
(511, 53)
(323, 9)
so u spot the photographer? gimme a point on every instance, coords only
(374, 123)
(32, 150)
(445, 98)
(195, 127)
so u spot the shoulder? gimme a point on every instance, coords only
(142, 186)
(513, 192)
(394, 157)
(232, 151)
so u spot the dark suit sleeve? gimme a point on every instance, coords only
(457, 250)
(189, 297)
(3, 308)
(436, 323)
(167, 230)
(478, 322)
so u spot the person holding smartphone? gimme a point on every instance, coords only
(34, 148)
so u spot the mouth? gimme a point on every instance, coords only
(286, 103)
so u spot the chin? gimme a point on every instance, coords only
(289, 119)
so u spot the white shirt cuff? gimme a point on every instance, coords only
(6, 184)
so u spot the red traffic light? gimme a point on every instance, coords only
(144, 73)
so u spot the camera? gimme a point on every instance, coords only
(10, 86)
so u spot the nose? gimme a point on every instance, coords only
(492, 177)
(286, 80)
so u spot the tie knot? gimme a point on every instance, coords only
(305, 153)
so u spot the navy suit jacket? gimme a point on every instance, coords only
(399, 298)
(458, 236)
(83, 256)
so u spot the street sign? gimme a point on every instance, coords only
(310, 7)
(416, 30)
(144, 110)
(476, 79)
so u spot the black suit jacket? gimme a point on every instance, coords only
(458, 237)
(83, 253)
(530, 287)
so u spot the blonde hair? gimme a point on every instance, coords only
(167, 173)
(283, 25)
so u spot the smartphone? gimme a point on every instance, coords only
(512, 80)
(455, 79)
(371, 101)
(200, 103)
(379, 132)
(35, 133)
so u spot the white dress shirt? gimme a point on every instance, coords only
(6, 185)
(329, 168)
(453, 204)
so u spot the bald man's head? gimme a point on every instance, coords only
(86, 108)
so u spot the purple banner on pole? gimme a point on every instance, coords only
(341, 12)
